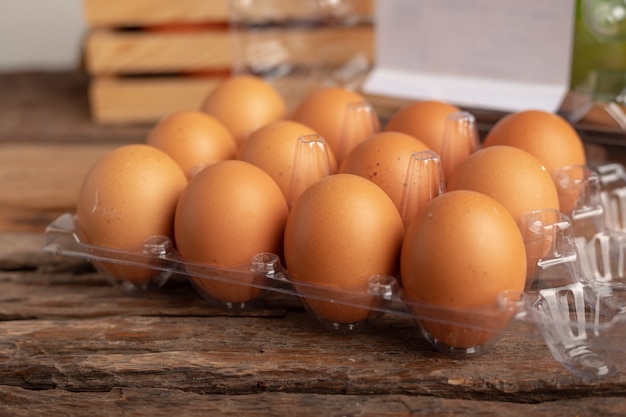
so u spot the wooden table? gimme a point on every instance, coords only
(71, 343)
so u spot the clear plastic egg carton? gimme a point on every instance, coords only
(575, 297)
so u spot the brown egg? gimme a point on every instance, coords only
(193, 139)
(547, 136)
(334, 113)
(460, 255)
(129, 195)
(384, 159)
(512, 176)
(273, 148)
(424, 120)
(229, 212)
(244, 103)
(343, 230)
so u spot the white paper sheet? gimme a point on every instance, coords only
(493, 54)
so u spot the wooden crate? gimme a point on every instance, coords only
(148, 58)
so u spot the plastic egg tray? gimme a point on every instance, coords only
(575, 299)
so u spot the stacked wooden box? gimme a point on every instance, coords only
(148, 58)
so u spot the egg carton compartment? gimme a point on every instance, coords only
(581, 319)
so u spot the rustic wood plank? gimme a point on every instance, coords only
(54, 107)
(27, 219)
(36, 286)
(120, 52)
(144, 99)
(245, 355)
(46, 175)
(28, 296)
(144, 12)
(117, 101)
(160, 402)
(147, 12)
(42, 180)
(115, 52)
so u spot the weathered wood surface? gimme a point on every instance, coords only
(150, 12)
(112, 52)
(71, 341)
(47, 142)
(54, 107)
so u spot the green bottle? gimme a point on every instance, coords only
(599, 45)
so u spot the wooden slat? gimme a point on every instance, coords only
(142, 12)
(115, 101)
(40, 181)
(114, 52)
(120, 52)
(146, 99)
(49, 107)
(79, 334)
(45, 175)
(146, 12)
(163, 402)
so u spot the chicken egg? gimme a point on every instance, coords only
(384, 159)
(424, 120)
(129, 195)
(244, 103)
(229, 212)
(341, 116)
(342, 231)
(512, 176)
(546, 136)
(459, 256)
(193, 139)
(273, 148)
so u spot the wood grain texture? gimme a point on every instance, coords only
(158, 402)
(116, 101)
(119, 52)
(143, 12)
(114, 52)
(41, 181)
(47, 142)
(72, 341)
(146, 12)
(49, 107)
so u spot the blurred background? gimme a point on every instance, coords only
(40, 34)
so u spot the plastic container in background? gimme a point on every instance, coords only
(300, 46)
(599, 39)
(598, 74)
